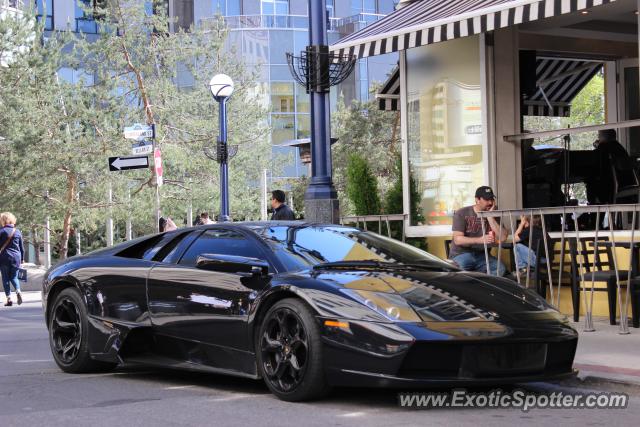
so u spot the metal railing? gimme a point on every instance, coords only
(380, 219)
(267, 21)
(571, 232)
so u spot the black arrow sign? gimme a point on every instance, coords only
(128, 162)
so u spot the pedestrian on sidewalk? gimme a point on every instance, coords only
(11, 256)
(280, 210)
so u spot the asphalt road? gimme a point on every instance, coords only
(33, 391)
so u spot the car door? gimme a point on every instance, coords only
(201, 315)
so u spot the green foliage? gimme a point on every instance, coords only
(58, 133)
(362, 187)
(393, 200)
(363, 129)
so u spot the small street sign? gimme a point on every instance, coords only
(138, 132)
(157, 164)
(142, 147)
(128, 162)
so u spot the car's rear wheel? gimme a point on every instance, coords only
(69, 334)
(289, 351)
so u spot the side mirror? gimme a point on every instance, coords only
(233, 264)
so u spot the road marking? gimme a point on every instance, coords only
(179, 387)
(33, 361)
(354, 414)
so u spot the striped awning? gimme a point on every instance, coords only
(431, 21)
(389, 95)
(558, 82)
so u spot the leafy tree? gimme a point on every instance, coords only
(394, 201)
(362, 187)
(363, 129)
(128, 74)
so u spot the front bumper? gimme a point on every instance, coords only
(351, 378)
(389, 355)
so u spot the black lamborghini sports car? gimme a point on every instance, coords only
(302, 306)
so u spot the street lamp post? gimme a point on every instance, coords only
(221, 87)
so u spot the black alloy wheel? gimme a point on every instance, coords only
(290, 352)
(66, 330)
(69, 334)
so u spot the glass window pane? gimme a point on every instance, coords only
(225, 242)
(282, 7)
(234, 7)
(255, 47)
(280, 72)
(356, 7)
(282, 126)
(369, 6)
(445, 133)
(385, 7)
(300, 41)
(220, 6)
(302, 100)
(267, 8)
(304, 126)
(282, 97)
(280, 43)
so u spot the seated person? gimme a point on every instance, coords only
(525, 254)
(467, 246)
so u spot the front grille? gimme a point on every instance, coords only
(487, 360)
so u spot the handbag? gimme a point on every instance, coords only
(22, 274)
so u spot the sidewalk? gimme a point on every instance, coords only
(605, 355)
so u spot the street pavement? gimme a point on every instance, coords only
(33, 391)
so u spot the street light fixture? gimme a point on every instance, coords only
(221, 87)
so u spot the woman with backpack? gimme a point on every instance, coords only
(11, 256)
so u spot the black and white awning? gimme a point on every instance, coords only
(558, 82)
(431, 21)
(389, 95)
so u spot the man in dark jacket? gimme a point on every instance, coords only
(281, 211)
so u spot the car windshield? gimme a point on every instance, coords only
(304, 246)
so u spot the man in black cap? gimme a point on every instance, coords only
(467, 247)
(280, 210)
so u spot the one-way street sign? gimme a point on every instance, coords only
(128, 162)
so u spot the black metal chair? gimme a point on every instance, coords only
(594, 255)
(540, 273)
(634, 292)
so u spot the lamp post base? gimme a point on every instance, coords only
(322, 210)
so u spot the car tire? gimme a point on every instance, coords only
(289, 352)
(69, 334)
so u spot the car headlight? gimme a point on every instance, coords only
(392, 306)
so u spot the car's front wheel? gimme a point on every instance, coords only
(289, 351)
(69, 334)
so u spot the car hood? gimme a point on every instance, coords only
(459, 296)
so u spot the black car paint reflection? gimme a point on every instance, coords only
(407, 318)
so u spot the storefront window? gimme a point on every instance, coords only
(445, 132)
